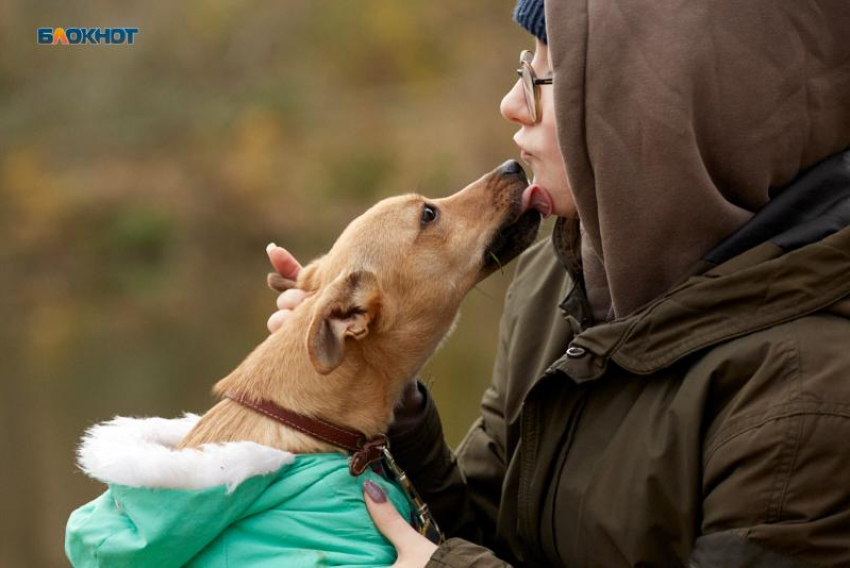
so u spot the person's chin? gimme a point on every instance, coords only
(541, 181)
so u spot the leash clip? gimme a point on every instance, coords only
(423, 520)
(368, 452)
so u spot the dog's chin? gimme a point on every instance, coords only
(509, 241)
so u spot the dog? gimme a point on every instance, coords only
(378, 305)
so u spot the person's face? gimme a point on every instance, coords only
(537, 140)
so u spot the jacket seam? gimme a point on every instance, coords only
(797, 402)
(780, 505)
(779, 416)
(474, 430)
(711, 335)
(783, 460)
(103, 541)
(782, 491)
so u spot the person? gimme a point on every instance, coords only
(672, 383)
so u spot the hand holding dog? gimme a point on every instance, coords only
(414, 550)
(287, 268)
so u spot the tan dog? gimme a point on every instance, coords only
(378, 305)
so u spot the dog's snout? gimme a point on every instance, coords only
(512, 167)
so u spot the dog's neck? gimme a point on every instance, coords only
(279, 370)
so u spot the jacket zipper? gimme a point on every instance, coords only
(529, 437)
(529, 527)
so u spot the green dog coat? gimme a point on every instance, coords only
(225, 505)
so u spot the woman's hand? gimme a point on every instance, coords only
(287, 268)
(414, 550)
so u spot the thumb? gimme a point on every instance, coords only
(283, 262)
(388, 520)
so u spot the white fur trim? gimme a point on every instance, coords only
(140, 452)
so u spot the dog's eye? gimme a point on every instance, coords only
(429, 214)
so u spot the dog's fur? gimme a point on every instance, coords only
(377, 306)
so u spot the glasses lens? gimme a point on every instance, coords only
(527, 78)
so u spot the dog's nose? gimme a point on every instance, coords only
(512, 167)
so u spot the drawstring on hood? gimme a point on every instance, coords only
(676, 120)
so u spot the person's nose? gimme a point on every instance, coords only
(513, 106)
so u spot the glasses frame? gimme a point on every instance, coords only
(530, 82)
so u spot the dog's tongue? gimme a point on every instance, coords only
(535, 197)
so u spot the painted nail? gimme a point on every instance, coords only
(270, 247)
(375, 493)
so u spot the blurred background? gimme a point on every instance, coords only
(139, 186)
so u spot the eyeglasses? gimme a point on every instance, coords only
(529, 84)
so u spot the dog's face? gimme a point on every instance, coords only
(396, 276)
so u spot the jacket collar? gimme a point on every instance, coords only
(763, 275)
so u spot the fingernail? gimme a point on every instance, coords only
(375, 493)
(270, 247)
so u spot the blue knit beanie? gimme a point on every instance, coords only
(529, 14)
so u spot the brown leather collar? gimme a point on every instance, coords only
(365, 450)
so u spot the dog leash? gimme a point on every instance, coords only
(365, 452)
(423, 519)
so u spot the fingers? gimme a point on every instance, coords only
(291, 298)
(413, 548)
(277, 282)
(283, 280)
(283, 262)
(276, 320)
(386, 518)
(286, 302)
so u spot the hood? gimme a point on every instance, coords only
(676, 119)
(792, 259)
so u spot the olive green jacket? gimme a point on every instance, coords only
(710, 427)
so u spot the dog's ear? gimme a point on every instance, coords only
(346, 308)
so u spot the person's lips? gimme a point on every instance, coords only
(535, 197)
(518, 140)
